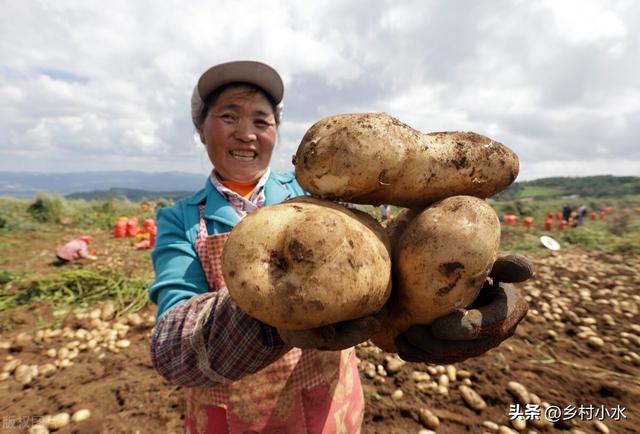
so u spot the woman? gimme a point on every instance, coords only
(75, 250)
(241, 375)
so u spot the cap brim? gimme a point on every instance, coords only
(245, 71)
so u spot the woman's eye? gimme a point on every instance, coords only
(227, 117)
(263, 123)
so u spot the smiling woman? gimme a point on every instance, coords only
(243, 375)
(239, 131)
(238, 373)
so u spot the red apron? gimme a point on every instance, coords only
(305, 391)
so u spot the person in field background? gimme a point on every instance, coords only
(75, 249)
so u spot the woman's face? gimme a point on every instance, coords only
(240, 134)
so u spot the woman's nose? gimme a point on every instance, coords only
(245, 130)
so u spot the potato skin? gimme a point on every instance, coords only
(307, 263)
(372, 158)
(440, 262)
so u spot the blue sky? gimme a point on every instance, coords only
(89, 85)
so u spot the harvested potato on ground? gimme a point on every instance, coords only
(372, 158)
(440, 262)
(307, 263)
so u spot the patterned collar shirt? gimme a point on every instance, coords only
(241, 205)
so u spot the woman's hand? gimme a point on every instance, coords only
(470, 332)
(335, 337)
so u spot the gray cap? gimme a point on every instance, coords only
(246, 71)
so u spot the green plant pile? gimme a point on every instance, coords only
(47, 208)
(14, 215)
(47, 211)
(103, 213)
(69, 290)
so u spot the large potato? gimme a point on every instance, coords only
(372, 158)
(440, 262)
(307, 263)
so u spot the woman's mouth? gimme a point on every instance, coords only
(243, 155)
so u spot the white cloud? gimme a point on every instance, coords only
(399, 17)
(588, 21)
(106, 85)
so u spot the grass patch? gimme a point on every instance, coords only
(518, 240)
(50, 210)
(14, 215)
(47, 208)
(539, 191)
(70, 290)
(593, 236)
(619, 232)
(104, 213)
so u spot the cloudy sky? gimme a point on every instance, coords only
(95, 85)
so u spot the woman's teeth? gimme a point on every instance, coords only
(243, 155)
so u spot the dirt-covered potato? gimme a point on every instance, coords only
(372, 158)
(307, 263)
(440, 262)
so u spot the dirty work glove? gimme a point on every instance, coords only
(336, 336)
(470, 332)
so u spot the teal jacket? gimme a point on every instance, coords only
(179, 273)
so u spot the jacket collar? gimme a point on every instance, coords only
(218, 208)
(275, 190)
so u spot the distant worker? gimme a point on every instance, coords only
(566, 212)
(385, 212)
(582, 214)
(75, 249)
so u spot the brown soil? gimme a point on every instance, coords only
(125, 394)
(122, 390)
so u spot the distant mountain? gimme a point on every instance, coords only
(585, 186)
(129, 193)
(28, 184)
(174, 185)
